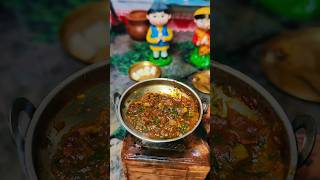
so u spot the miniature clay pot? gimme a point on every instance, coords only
(138, 25)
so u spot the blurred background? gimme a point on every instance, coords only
(276, 43)
(40, 47)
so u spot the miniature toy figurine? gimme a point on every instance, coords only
(159, 35)
(200, 57)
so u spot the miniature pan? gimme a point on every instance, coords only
(157, 85)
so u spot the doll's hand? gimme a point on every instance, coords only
(160, 37)
(205, 41)
(198, 43)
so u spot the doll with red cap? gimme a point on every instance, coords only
(200, 57)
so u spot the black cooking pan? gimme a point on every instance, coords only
(37, 146)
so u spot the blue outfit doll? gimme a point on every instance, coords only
(159, 35)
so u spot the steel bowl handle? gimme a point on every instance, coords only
(204, 129)
(120, 132)
(116, 99)
(20, 105)
(15, 124)
(205, 105)
(307, 123)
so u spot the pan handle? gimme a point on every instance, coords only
(307, 123)
(15, 123)
(205, 105)
(116, 99)
(120, 132)
(20, 105)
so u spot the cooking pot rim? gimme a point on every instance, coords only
(118, 109)
(276, 107)
(29, 159)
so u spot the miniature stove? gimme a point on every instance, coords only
(185, 159)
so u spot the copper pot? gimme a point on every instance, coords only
(138, 25)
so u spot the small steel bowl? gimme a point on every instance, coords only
(157, 85)
(140, 65)
(201, 81)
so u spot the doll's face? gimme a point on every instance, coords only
(203, 23)
(159, 18)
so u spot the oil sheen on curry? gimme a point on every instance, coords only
(163, 116)
(82, 152)
(245, 144)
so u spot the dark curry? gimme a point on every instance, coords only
(245, 144)
(162, 116)
(82, 152)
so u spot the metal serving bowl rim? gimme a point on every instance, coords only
(118, 109)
